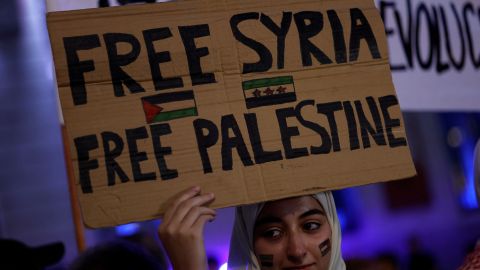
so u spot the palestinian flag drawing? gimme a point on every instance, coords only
(269, 91)
(169, 106)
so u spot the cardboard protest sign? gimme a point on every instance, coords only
(250, 100)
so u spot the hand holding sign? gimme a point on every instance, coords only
(181, 230)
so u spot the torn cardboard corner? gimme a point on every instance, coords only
(250, 101)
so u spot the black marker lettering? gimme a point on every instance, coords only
(205, 141)
(287, 132)
(116, 61)
(259, 154)
(365, 126)
(265, 62)
(385, 103)
(460, 63)
(111, 154)
(84, 145)
(76, 68)
(326, 145)
(338, 38)
(430, 23)
(156, 58)
(135, 156)
(309, 29)
(188, 34)
(422, 9)
(228, 143)
(161, 151)
(361, 31)
(352, 125)
(406, 39)
(329, 110)
(280, 32)
(469, 8)
(435, 44)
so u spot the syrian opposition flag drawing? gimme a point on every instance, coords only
(169, 106)
(269, 91)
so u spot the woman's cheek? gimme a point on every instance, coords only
(268, 254)
(321, 251)
(325, 247)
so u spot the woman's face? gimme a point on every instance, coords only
(293, 234)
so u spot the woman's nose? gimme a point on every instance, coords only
(296, 249)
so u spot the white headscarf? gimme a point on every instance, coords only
(241, 255)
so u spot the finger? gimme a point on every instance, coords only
(200, 223)
(194, 214)
(177, 200)
(184, 207)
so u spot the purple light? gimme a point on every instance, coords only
(342, 218)
(468, 196)
(223, 267)
(127, 229)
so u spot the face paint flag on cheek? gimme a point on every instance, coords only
(325, 247)
(266, 260)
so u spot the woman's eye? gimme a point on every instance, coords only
(311, 226)
(272, 233)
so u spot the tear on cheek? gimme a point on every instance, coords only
(266, 260)
(325, 247)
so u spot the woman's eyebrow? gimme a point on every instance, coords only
(311, 212)
(267, 220)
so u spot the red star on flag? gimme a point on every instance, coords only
(268, 91)
(257, 93)
(281, 89)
